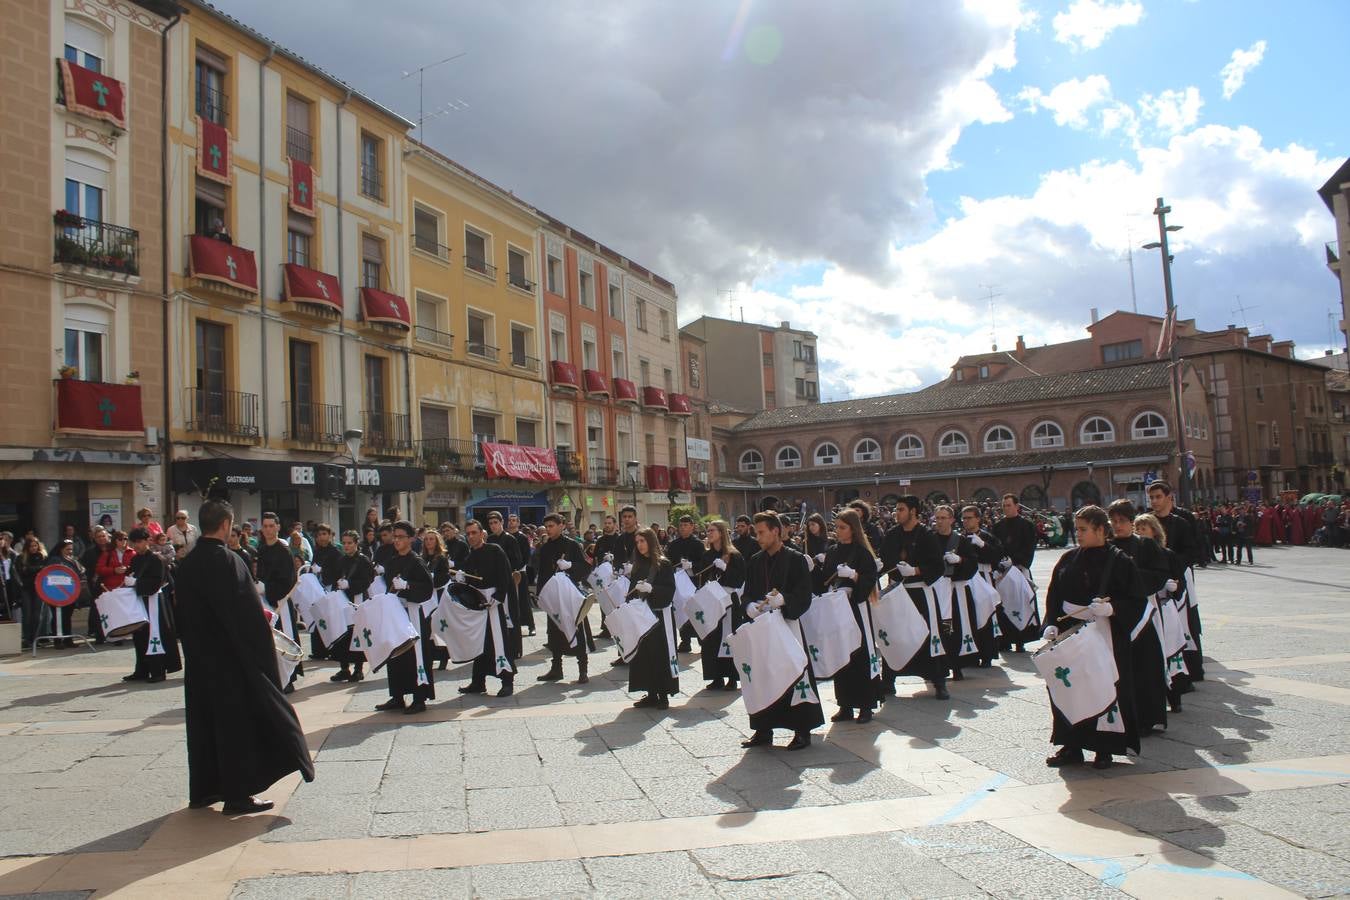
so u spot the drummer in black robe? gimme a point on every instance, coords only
(1147, 526)
(684, 552)
(327, 555)
(987, 551)
(486, 567)
(1017, 535)
(242, 734)
(409, 580)
(437, 563)
(653, 666)
(559, 553)
(870, 527)
(815, 544)
(455, 546)
(1093, 581)
(526, 551)
(383, 551)
(959, 558)
(146, 576)
(1146, 652)
(514, 612)
(276, 573)
(723, 563)
(352, 575)
(607, 544)
(778, 577)
(911, 553)
(744, 540)
(851, 563)
(1183, 540)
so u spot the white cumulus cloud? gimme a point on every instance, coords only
(1234, 74)
(1172, 111)
(1070, 101)
(1087, 23)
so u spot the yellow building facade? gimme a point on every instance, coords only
(476, 337)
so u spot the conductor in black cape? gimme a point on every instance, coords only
(242, 734)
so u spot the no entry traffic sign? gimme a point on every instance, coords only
(58, 585)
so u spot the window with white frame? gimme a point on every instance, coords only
(953, 443)
(1148, 425)
(553, 272)
(827, 454)
(478, 251)
(481, 337)
(1047, 434)
(640, 314)
(1097, 430)
(867, 450)
(518, 269)
(998, 439)
(562, 435)
(590, 353)
(86, 184)
(586, 288)
(751, 461)
(427, 231)
(522, 347)
(557, 338)
(615, 301)
(788, 458)
(664, 316)
(86, 337)
(618, 358)
(86, 45)
(909, 447)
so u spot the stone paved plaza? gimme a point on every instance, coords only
(565, 790)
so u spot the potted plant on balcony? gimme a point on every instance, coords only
(133, 377)
(67, 219)
(67, 372)
(116, 259)
(69, 250)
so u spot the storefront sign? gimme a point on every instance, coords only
(197, 476)
(521, 463)
(107, 513)
(697, 448)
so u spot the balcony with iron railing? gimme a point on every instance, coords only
(518, 280)
(372, 182)
(569, 465)
(1321, 458)
(450, 456)
(212, 104)
(522, 361)
(386, 433)
(442, 340)
(92, 248)
(1269, 456)
(232, 415)
(427, 243)
(480, 265)
(482, 351)
(601, 471)
(313, 423)
(299, 145)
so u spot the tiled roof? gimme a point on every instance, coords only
(961, 395)
(1100, 455)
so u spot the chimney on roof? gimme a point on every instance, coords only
(1021, 351)
(786, 326)
(1094, 315)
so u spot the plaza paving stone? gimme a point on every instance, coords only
(565, 790)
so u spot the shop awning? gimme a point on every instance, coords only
(203, 475)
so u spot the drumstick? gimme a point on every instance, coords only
(1073, 618)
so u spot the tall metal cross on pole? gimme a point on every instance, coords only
(1161, 211)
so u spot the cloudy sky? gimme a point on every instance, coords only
(875, 170)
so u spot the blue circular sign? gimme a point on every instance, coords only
(57, 585)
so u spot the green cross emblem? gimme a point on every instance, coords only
(503, 662)
(154, 644)
(1188, 637)
(369, 642)
(998, 632)
(885, 638)
(421, 672)
(102, 621)
(107, 407)
(698, 614)
(230, 264)
(618, 642)
(303, 190)
(803, 688)
(445, 626)
(102, 90)
(1016, 614)
(323, 625)
(674, 666)
(968, 643)
(726, 648)
(1111, 714)
(215, 156)
(873, 661)
(745, 667)
(1062, 673)
(815, 653)
(937, 643)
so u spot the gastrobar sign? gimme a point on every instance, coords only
(361, 477)
(521, 463)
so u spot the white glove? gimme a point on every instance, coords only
(1050, 633)
(563, 565)
(128, 581)
(880, 564)
(315, 569)
(686, 565)
(977, 541)
(379, 570)
(952, 557)
(820, 557)
(845, 572)
(609, 557)
(906, 570)
(258, 586)
(720, 564)
(628, 568)
(458, 577)
(1171, 585)
(342, 584)
(775, 600)
(1004, 564)
(1077, 611)
(1102, 609)
(810, 564)
(643, 587)
(754, 610)
(399, 584)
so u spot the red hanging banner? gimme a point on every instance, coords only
(219, 261)
(93, 407)
(521, 463)
(311, 286)
(213, 151)
(302, 187)
(92, 94)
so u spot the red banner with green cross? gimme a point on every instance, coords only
(92, 407)
(93, 94)
(213, 151)
(302, 187)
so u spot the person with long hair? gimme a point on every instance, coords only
(437, 562)
(1147, 526)
(851, 564)
(815, 543)
(653, 667)
(32, 559)
(723, 563)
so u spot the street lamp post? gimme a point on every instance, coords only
(633, 465)
(1161, 211)
(352, 438)
(1047, 472)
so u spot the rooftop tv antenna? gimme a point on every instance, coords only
(1243, 310)
(421, 79)
(1129, 259)
(993, 341)
(731, 300)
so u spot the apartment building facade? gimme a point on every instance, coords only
(758, 367)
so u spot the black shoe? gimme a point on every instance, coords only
(507, 689)
(341, 675)
(604, 632)
(800, 741)
(662, 702)
(204, 802)
(619, 662)
(986, 663)
(1065, 757)
(289, 688)
(684, 647)
(1102, 761)
(717, 684)
(1175, 705)
(864, 717)
(445, 664)
(244, 807)
(391, 704)
(940, 691)
(761, 738)
(1021, 648)
(554, 673)
(732, 685)
(582, 677)
(358, 675)
(417, 706)
(890, 688)
(134, 676)
(156, 678)
(649, 700)
(473, 688)
(530, 633)
(845, 714)
(958, 675)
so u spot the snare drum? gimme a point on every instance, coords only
(467, 595)
(121, 612)
(382, 630)
(288, 655)
(333, 615)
